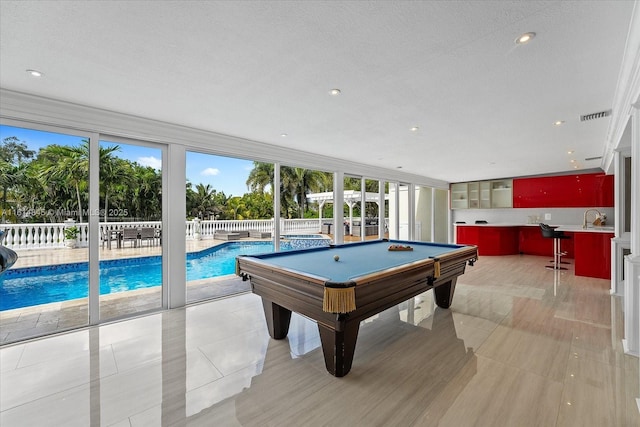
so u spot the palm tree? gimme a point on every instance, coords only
(260, 177)
(295, 184)
(28, 189)
(202, 201)
(305, 181)
(114, 172)
(148, 192)
(69, 165)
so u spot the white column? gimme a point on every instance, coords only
(631, 342)
(363, 205)
(94, 229)
(338, 207)
(350, 204)
(276, 207)
(174, 247)
(411, 217)
(621, 240)
(381, 206)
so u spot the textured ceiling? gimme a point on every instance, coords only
(484, 106)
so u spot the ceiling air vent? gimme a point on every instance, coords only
(594, 116)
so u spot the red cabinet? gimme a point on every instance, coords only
(467, 235)
(564, 191)
(489, 240)
(590, 251)
(531, 242)
(593, 254)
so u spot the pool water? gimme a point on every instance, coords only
(25, 287)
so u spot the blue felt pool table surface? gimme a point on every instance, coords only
(355, 259)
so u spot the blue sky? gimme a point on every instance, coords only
(222, 173)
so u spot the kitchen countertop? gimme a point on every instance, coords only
(569, 228)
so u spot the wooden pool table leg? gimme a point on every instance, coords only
(338, 347)
(444, 293)
(278, 319)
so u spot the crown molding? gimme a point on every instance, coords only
(35, 109)
(627, 94)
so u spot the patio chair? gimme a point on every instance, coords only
(130, 234)
(108, 236)
(148, 234)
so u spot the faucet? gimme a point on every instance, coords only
(584, 221)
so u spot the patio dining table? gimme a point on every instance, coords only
(137, 235)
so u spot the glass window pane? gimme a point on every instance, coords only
(440, 214)
(301, 191)
(43, 206)
(229, 208)
(424, 209)
(130, 229)
(372, 210)
(352, 209)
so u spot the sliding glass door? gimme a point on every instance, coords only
(131, 228)
(229, 205)
(44, 179)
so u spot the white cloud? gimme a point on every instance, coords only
(154, 162)
(210, 172)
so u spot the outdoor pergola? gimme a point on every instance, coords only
(351, 197)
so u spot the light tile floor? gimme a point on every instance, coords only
(517, 348)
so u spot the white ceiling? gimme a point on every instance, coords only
(485, 107)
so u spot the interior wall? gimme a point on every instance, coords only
(423, 213)
(441, 216)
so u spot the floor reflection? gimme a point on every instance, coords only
(399, 368)
(519, 346)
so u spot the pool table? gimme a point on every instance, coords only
(367, 275)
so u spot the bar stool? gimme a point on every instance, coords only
(557, 236)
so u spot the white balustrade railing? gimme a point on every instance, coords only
(51, 235)
(301, 226)
(207, 228)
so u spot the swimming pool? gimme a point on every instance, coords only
(26, 287)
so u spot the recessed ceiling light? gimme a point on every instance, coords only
(573, 160)
(558, 122)
(570, 152)
(35, 73)
(335, 92)
(525, 38)
(576, 167)
(398, 167)
(284, 135)
(414, 129)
